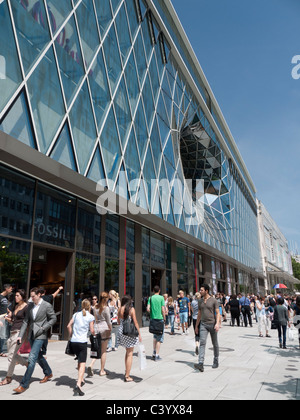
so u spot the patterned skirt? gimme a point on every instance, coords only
(124, 340)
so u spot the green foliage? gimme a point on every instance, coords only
(296, 271)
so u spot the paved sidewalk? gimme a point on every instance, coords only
(251, 368)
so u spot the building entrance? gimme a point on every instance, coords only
(48, 269)
(156, 278)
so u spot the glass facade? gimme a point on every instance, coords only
(95, 86)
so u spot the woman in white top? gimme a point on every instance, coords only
(262, 317)
(78, 328)
(103, 327)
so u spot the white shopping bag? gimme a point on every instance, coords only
(142, 356)
(291, 334)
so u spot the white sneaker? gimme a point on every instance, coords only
(108, 350)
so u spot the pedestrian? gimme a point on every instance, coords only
(263, 320)
(171, 313)
(184, 311)
(195, 310)
(81, 323)
(281, 319)
(210, 318)
(40, 317)
(103, 329)
(15, 317)
(166, 307)
(156, 307)
(50, 298)
(127, 311)
(234, 307)
(297, 314)
(4, 303)
(245, 308)
(114, 305)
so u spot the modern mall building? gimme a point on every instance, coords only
(276, 256)
(104, 102)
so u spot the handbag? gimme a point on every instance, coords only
(68, 350)
(129, 329)
(25, 348)
(95, 346)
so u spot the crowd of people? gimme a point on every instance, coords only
(109, 322)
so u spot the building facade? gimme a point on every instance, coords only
(118, 170)
(276, 256)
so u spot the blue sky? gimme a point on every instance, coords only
(245, 49)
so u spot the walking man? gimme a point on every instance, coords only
(208, 321)
(156, 307)
(40, 318)
(184, 311)
(245, 308)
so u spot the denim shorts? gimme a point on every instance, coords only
(159, 338)
(183, 317)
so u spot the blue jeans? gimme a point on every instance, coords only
(284, 328)
(172, 321)
(36, 356)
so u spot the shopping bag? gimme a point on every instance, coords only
(25, 348)
(291, 334)
(142, 356)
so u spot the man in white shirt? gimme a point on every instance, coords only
(39, 319)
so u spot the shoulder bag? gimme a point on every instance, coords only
(129, 329)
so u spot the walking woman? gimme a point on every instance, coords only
(103, 327)
(15, 318)
(171, 314)
(78, 328)
(126, 311)
(297, 314)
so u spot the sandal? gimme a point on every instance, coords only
(260, 335)
(128, 379)
(3, 355)
(6, 381)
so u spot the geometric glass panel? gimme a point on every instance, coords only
(103, 14)
(17, 122)
(96, 171)
(58, 11)
(10, 72)
(111, 151)
(63, 152)
(132, 16)
(132, 158)
(69, 59)
(122, 111)
(112, 57)
(99, 89)
(46, 100)
(140, 57)
(32, 29)
(83, 128)
(141, 130)
(88, 30)
(132, 82)
(123, 33)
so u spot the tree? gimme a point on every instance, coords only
(296, 271)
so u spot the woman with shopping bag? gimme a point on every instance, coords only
(129, 334)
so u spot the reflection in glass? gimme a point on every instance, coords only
(111, 275)
(130, 281)
(113, 61)
(16, 203)
(86, 278)
(112, 236)
(69, 59)
(157, 250)
(88, 228)
(111, 150)
(63, 151)
(83, 127)
(14, 263)
(54, 217)
(32, 29)
(17, 122)
(103, 14)
(10, 72)
(46, 100)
